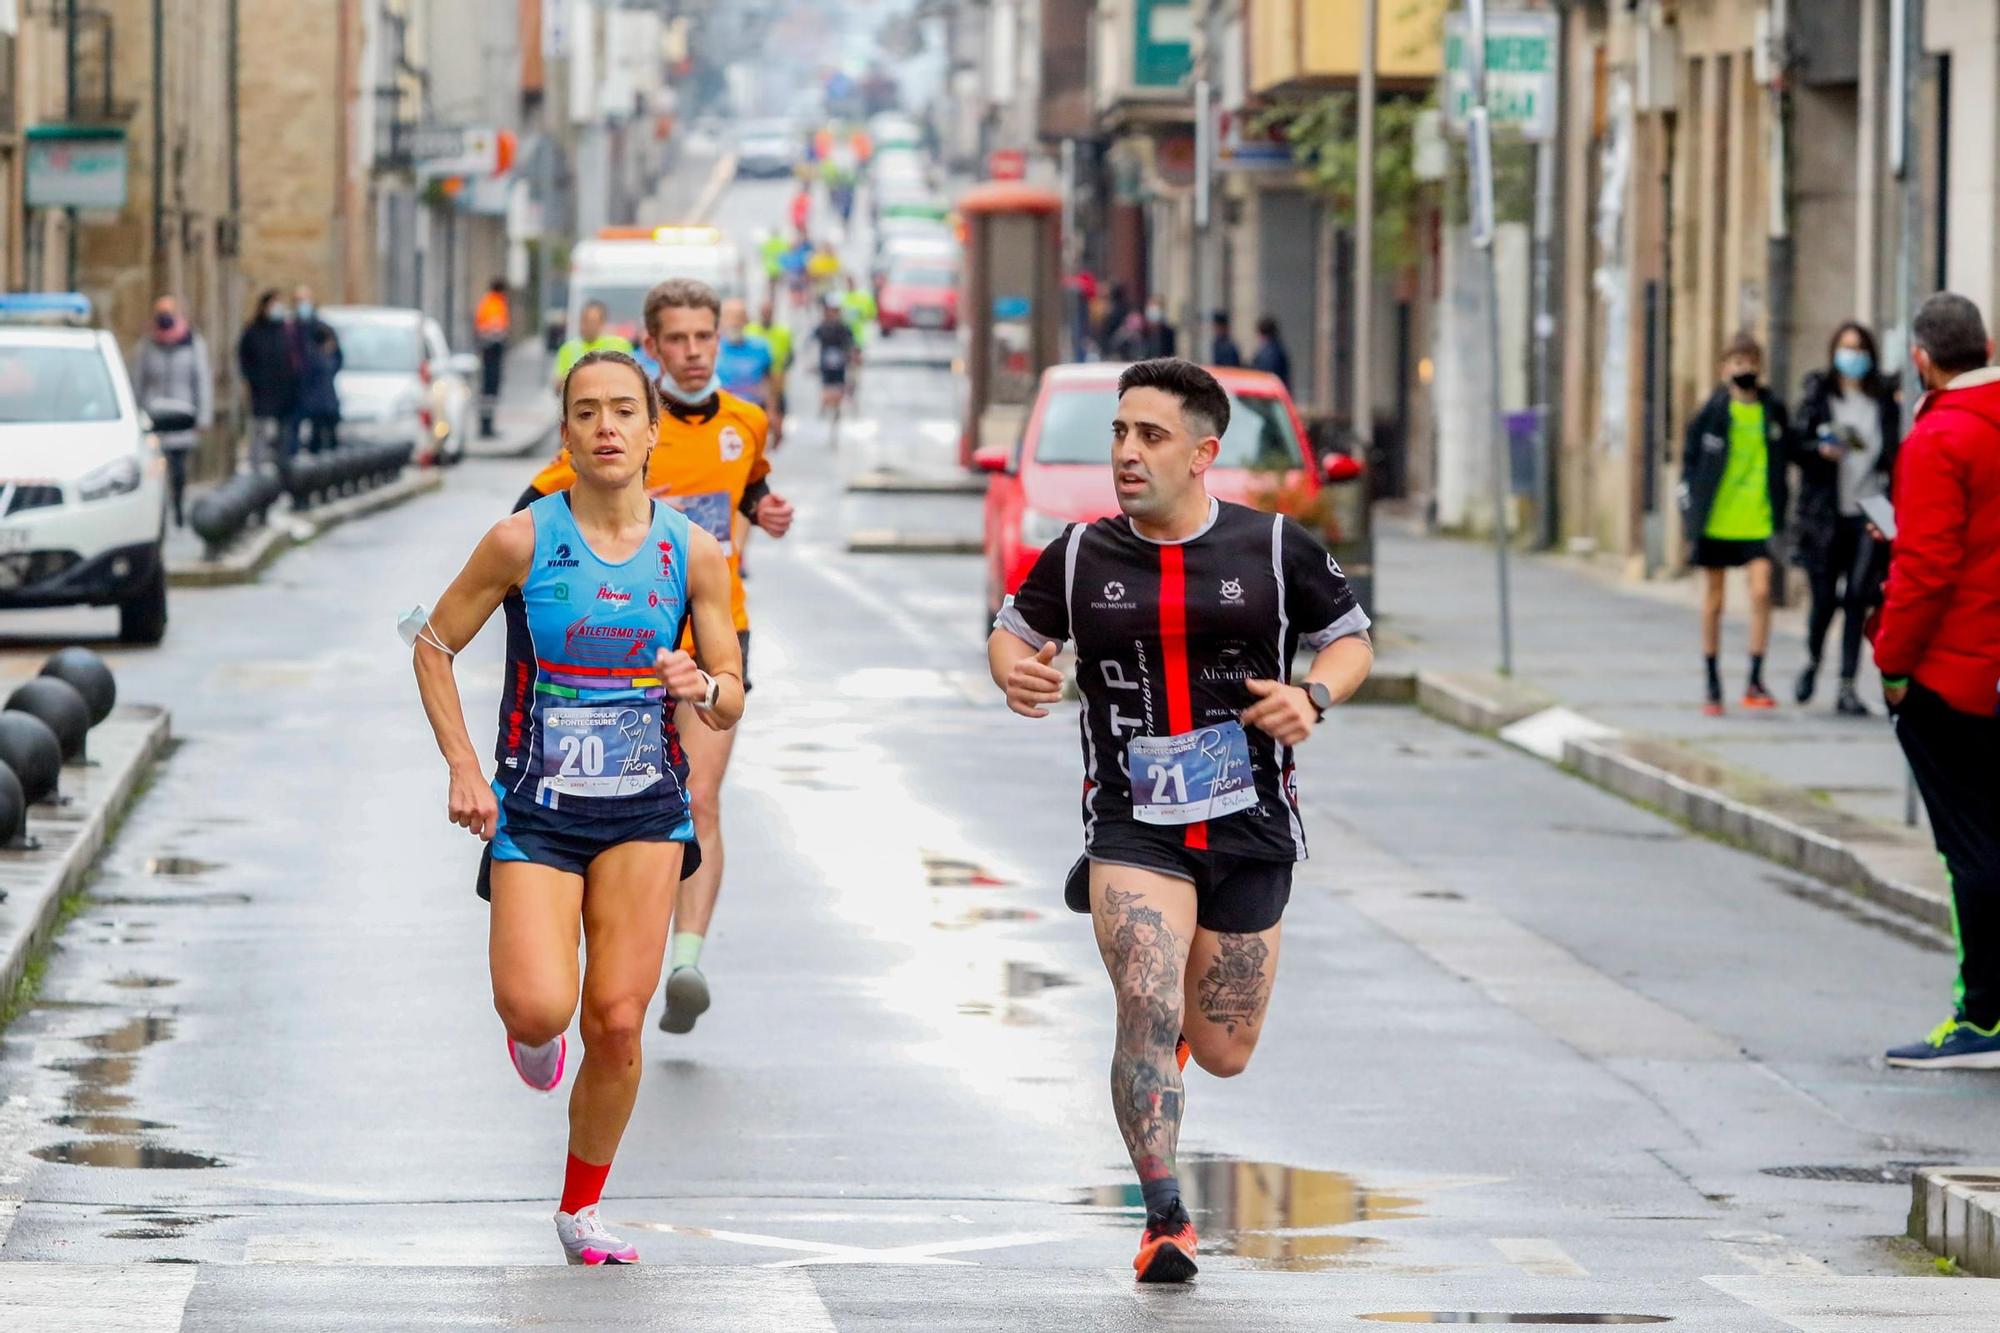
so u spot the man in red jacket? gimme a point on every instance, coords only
(1938, 648)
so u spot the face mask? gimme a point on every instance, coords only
(305, 309)
(671, 388)
(162, 320)
(1745, 381)
(276, 314)
(1852, 362)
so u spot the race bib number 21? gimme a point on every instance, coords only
(1197, 775)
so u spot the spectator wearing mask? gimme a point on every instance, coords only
(1131, 342)
(1938, 646)
(264, 356)
(1845, 448)
(1159, 333)
(1271, 355)
(172, 365)
(316, 349)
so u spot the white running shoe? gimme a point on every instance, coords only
(687, 1000)
(540, 1067)
(585, 1240)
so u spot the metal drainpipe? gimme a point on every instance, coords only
(159, 147)
(69, 116)
(1778, 246)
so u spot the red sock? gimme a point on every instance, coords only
(583, 1184)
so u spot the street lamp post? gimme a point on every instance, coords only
(1362, 417)
(1479, 154)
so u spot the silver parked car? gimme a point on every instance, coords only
(399, 380)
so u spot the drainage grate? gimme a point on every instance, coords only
(1888, 1173)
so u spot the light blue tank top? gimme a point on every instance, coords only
(583, 713)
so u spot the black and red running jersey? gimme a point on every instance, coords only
(1166, 635)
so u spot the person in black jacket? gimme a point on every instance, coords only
(1733, 504)
(264, 354)
(1845, 448)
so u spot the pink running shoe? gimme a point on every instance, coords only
(540, 1067)
(585, 1241)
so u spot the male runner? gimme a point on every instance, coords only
(1186, 613)
(710, 464)
(590, 337)
(837, 354)
(586, 816)
(777, 335)
(744, 362)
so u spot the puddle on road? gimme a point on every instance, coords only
(1024, 979)
(1530, 1317)
(985, 916)
(96, 1104)
(951, 872)
(1270, 1215)
(139, 981)
(180, 865)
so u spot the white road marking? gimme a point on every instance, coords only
(1538, 1256)
(1766, 1252)
(1869, 1304)
(826, 1252)
(94, 1298)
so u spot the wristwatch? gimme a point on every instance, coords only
(1320, 697)
(714, 692)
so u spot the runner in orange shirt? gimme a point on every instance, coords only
(710, 464)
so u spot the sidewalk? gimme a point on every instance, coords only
(525, 421)
(1803, 785)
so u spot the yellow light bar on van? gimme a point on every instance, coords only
(688, 235)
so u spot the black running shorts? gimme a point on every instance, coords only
(1234, 895)
(1721, 553)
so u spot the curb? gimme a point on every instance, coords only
(882, 541)
(718, 181)
(1782, 825)
(129, 743)
(243, 562)
(1955, 1213)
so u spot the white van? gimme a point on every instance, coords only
(620, 265)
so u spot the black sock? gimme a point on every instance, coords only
(1714, 677)
(1757, 670)
(1163, 1200)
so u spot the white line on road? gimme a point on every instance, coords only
(1766, 1253)
(1869, 1304)
(1538, 1257)
(94, 1298)
(826, 1252)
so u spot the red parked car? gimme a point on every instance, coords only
(920, 292)
(1059, 471)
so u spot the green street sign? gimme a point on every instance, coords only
(1522, 52)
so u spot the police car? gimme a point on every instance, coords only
(82, 480)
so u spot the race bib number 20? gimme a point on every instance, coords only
(609, 750)
(1197, 775)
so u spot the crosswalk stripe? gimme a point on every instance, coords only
(1765, 1252)
(1538, 1256)
(94, 1298)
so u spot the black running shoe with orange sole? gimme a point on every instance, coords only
(1166, 1255)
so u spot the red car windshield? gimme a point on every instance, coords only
(1076, 428)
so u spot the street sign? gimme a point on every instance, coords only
(75, 166)
(1521, 66)
(460, 150)
(1007, 164)
(1241, 146)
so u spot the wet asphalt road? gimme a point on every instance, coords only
(1532, 1048)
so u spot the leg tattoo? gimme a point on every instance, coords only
(1145, 1080)
(1232, 990)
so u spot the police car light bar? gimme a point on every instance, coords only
(44, 308)
(688, 235)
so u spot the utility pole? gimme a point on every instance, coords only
(1479, 155)
(1906, 63)
(69, 117)
(1362, 419)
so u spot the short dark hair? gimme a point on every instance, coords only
(497, 285)
(682, 294)
(1219, 316)
(605, 357)
(1204, 402)
(1743, 343)
(1267, 326)
(594, 304)
(1949, 329)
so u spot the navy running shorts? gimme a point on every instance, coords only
(571, 837)
(1234, 895)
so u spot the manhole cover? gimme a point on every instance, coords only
(1888, 1173)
